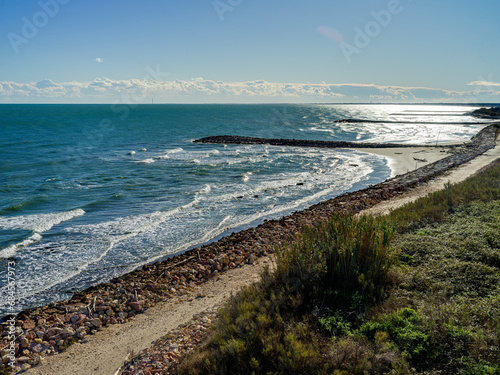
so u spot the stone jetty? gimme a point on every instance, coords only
(239, 140)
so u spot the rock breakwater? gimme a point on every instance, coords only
(235, 139)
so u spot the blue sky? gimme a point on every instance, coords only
(448, 45)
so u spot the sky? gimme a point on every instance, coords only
(246, 51)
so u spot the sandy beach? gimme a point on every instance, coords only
(403, 160)
(107, 350)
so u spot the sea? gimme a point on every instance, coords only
(91, 192)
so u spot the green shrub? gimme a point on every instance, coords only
(406, 330)
(269, 328)
(344, 261)
(481, 369)
(335, 325)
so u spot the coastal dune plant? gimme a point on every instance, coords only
(436, 207)
(274, 326)
(344, 256)
(357, 255)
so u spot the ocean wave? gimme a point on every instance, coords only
(146, 161)
(23, 205)
(213, 152)
(12, 250)
(174, 150)
(204, 190)
(88, 244)
(167, 153)
(38, 223)
(246, 176)
(125, 227)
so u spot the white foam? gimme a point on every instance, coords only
(205, 237)
(119, 229)
(38, 223)
(131, 153)
(88, 244)
(133, 226)
(246, 176)
(12, 250)
(174, 150)
(205, 190)
(167, 153)
(146, 161)
(276, 184)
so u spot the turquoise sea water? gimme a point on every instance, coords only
(89, 192)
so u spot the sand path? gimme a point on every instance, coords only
(105, 352)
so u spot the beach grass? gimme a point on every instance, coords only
(278, 323)
(415, 292)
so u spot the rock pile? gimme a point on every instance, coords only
(164, 354)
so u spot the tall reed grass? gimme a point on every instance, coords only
(344, 254)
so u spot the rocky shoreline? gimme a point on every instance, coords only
(51, 329)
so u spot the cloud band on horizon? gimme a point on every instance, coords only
(104, 90)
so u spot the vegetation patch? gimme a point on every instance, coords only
(322, 284)
(417, 292)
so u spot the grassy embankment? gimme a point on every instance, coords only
(417, 291)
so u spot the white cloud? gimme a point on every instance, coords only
(99, 60)
(483, 83)
(105, 90)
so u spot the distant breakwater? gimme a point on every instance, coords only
(483, 140)
(355, 121)
(50, 329)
